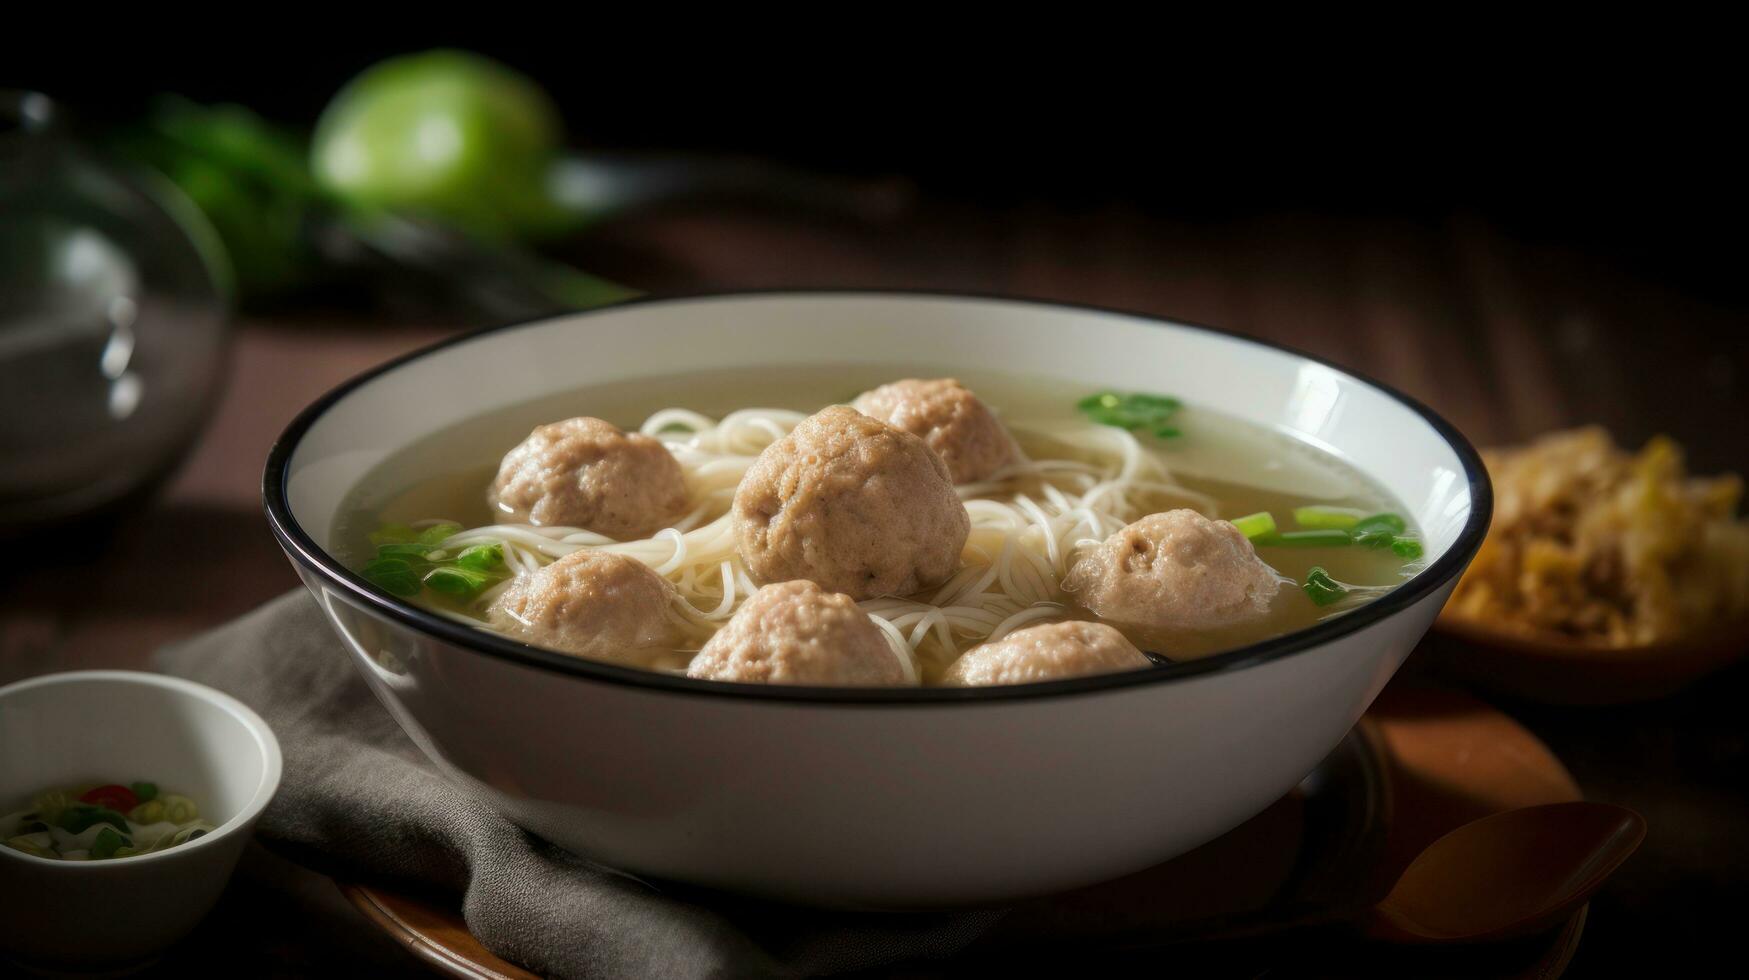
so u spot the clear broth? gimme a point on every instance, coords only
(1247, 468)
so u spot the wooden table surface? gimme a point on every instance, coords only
(1504, 337)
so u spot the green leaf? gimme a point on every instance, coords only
(412, 552)
(481, 557)
(145, 792)
(106, 843)
(1321, 588)
(1339, 518)
(81, 817)
(248, 177)
(1407, 548)
(1381, 522)
(456, 581)
(379, 566)
(393, 575)
(437, 534)
(1165, 402)
(1132, 411)
(1376, 539)
(392, 534)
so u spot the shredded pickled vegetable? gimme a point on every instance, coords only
(1599, 545)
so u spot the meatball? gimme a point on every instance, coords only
(851, 504)
(1172, 574)
(586, 473)
(961, 429)
(595, 605)
(1044, 653)
(798, 633)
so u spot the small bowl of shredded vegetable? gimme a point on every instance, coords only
(1610, 574)
(124, 791)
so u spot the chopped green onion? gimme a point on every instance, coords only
(411, 551)
(151, 811)
(1374, 539)
(392, 534)
(407, 561)
(145, 792)
(1381, 522)
(1383, 530)
(81, 817)
(1321, 588)
(1132, 411)
(1339, 518)
(481, 557)
(393, 575)
(437, 534)
(1306, 539)
(1255, 525)
(455, 580)
(1158, 403)
(107, 842)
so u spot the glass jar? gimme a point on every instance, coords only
(113, 320)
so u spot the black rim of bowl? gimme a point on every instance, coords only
(306, 552)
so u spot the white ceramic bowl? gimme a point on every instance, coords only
(124, 726)
(888, 798)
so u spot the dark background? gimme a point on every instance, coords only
(1632, 153)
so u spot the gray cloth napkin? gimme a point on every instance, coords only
(358, 799)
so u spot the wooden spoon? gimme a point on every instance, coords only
(1510, 874)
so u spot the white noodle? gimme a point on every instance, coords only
(1069, 487)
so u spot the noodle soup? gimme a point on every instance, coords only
(1080, 470)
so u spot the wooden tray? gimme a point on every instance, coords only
(1556, 671)
(1422, 761)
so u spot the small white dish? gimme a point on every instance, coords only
(115, 725)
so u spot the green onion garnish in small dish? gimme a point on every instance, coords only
(100, 823)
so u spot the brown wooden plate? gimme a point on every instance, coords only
(1422, 762)
(1553, 670)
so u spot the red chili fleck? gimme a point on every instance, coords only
(117, 798)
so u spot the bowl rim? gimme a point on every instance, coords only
(273, 762)
(306, 552)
